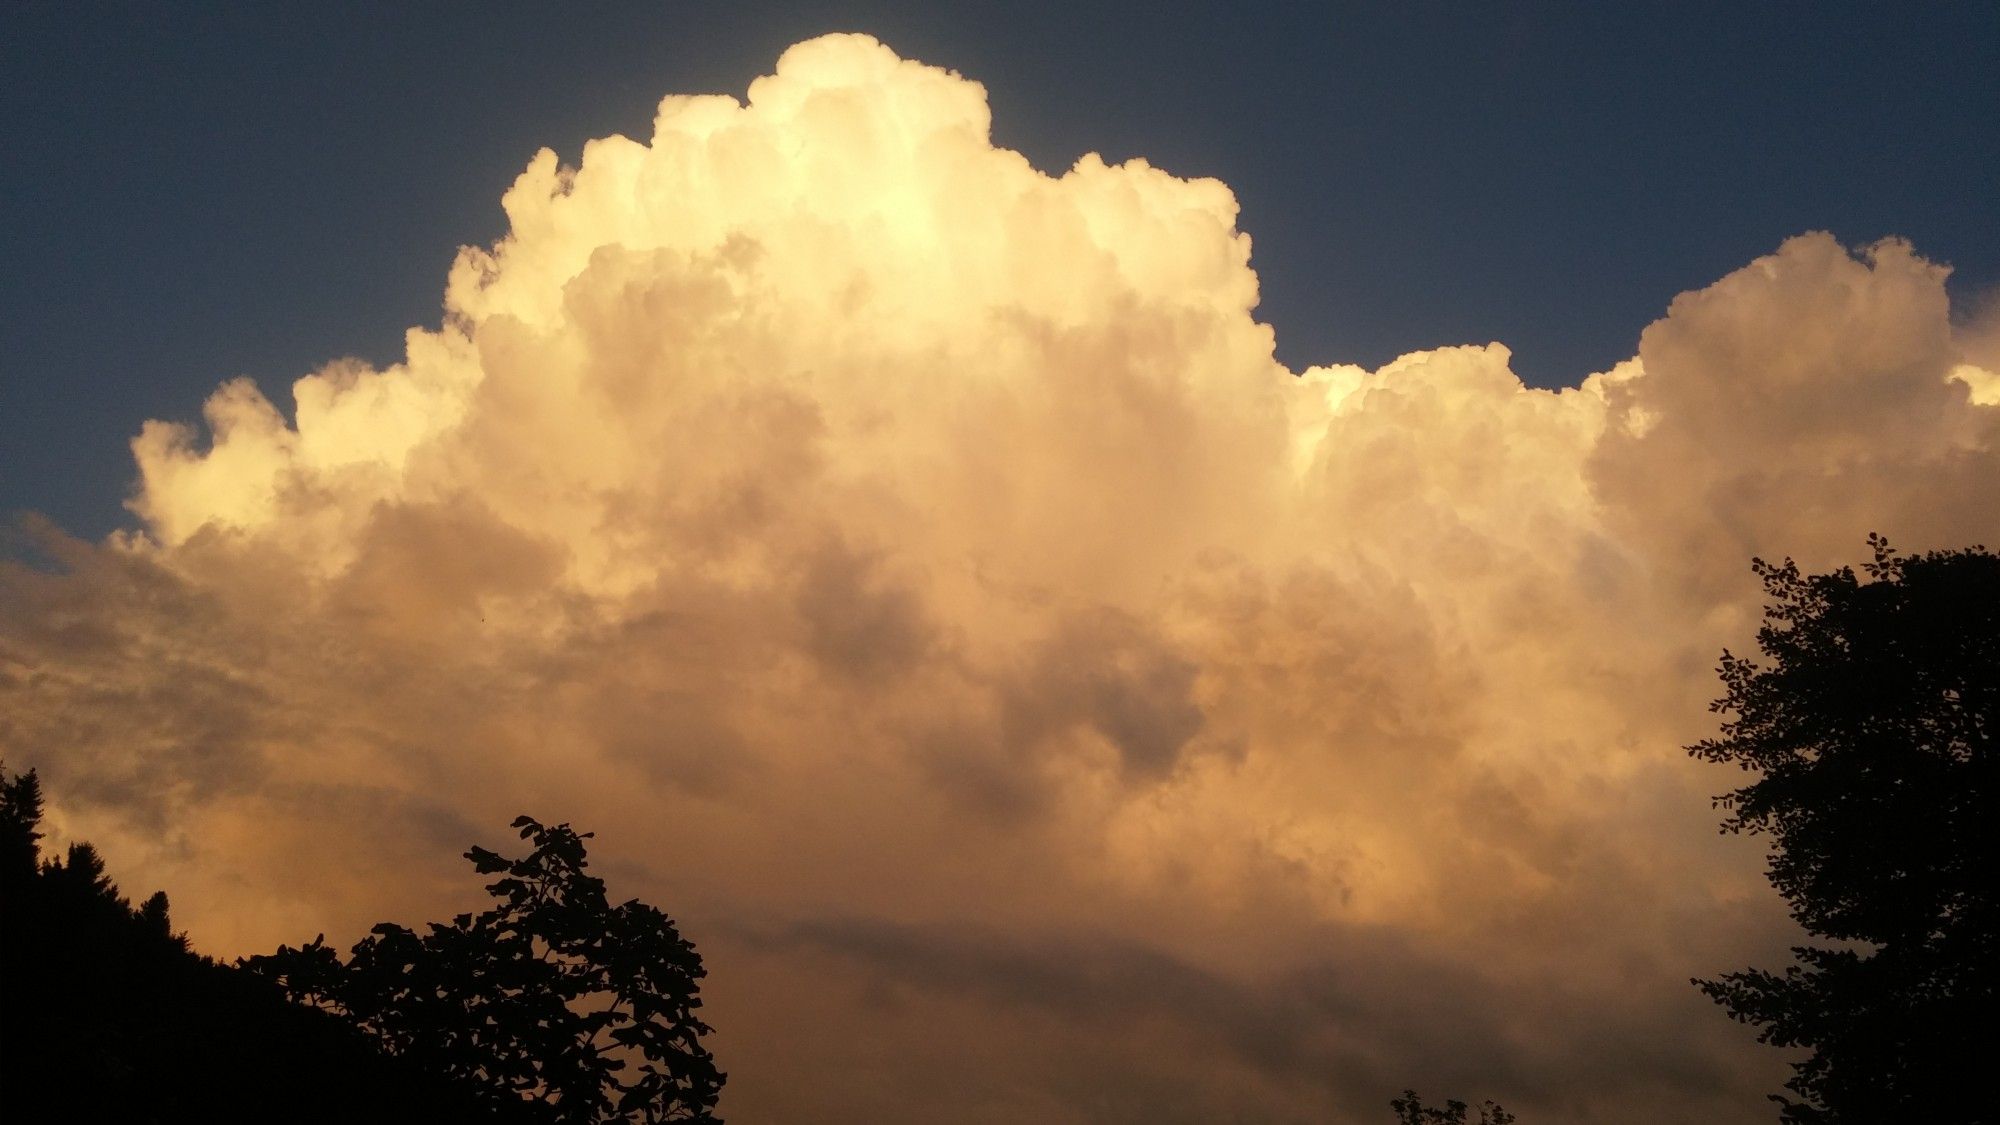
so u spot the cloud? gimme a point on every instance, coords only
(1035, 700)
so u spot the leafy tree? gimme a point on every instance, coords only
(106, 1015)
(1871, 731)
(20, 830)
(550, 998)
(1411, 1110)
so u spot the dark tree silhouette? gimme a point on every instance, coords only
(1411, 1110)
(106, 1015)
(554, 998)
(20, 832)
(1871, 731)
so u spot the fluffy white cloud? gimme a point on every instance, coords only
(1036, 701)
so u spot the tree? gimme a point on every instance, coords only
(107, 1015)
(20, 831)
(546, 999)
(1871, 731)
(1411, 1110)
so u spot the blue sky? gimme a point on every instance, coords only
(191, 196)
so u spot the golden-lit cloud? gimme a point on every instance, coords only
(1037, 702)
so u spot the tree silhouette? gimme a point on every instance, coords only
(20, 832)
(1871, 729)
(1411, 1110)
(553, 999)
(106, 1015)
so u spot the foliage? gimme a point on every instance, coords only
(1411, 1110)
(106, 1015)
(1871, 731)
(20, 830)
(549, 999)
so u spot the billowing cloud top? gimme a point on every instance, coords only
(1038, 702)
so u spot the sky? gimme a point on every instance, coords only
(1107, 567)
(199, 192)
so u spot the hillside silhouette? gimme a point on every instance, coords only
(107, 1015)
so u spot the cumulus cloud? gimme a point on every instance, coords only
(1037, 701)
